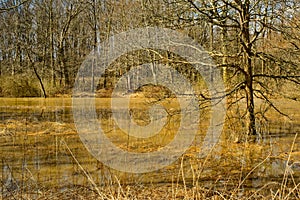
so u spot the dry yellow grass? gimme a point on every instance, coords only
(46, 159)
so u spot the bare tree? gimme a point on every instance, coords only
(244, 26)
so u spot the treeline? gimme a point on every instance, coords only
(49, 39)
(255, 43)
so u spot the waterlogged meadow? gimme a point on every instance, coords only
(43, 157)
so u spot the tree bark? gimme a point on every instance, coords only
(40, 81)
(247, 47)
(53, 76)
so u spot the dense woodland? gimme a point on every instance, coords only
(255, 43)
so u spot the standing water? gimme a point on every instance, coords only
(42, 155)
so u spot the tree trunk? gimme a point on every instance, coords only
(250, 115)
(53, 78)
(224, 40)
(94, 45)
(40, 81)
(247, 47)
(224, 52)
(63, 67)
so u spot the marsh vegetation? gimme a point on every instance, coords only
(43, 157)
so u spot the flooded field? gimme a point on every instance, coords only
(43, 157)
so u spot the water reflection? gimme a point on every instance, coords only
(34, 134)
